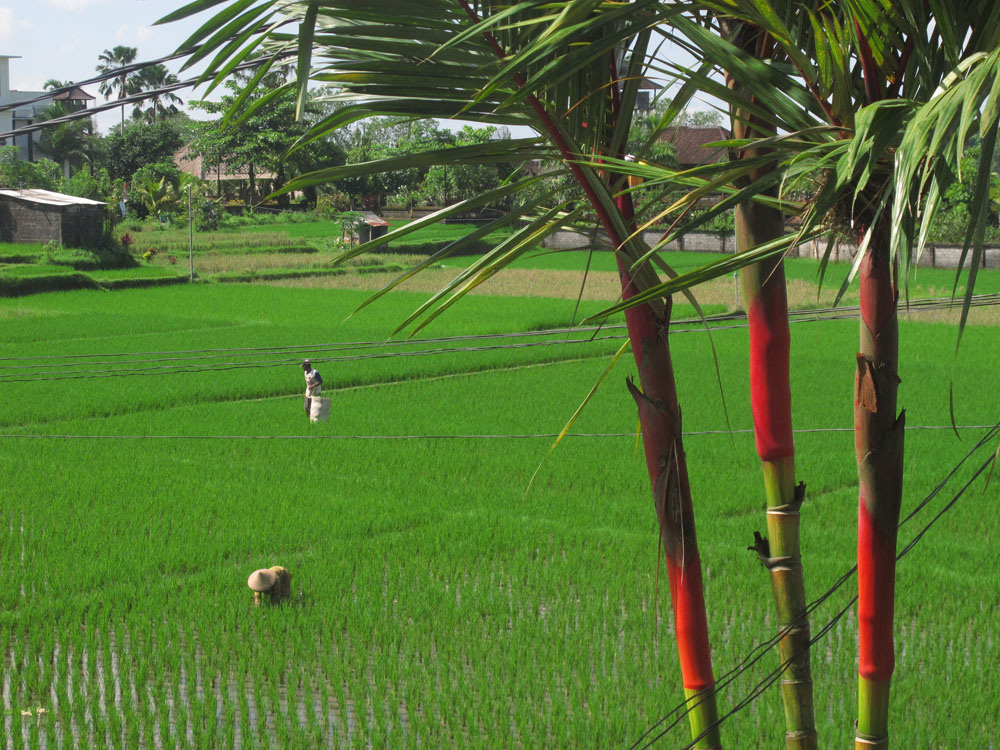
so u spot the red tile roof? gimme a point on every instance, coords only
(690, 144)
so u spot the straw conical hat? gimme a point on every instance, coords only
(261, 580)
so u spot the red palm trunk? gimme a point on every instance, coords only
(660, 419)
(659, 416)
(765, 300)
(878, 441)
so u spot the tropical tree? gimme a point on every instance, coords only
(258, 135)
(865, 108)
(139, 144)
(66, 143)
(157, 104)
(479, 63)
(123, 84)
(868, 108)
(766, 304)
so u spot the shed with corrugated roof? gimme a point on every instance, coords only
(40, 216)
(372, 227)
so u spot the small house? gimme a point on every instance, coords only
(372, 227)
(40, 216)
(693, 144)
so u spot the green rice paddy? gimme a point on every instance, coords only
(437, 600)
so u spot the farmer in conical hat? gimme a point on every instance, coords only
(314, 384)
(275, 581)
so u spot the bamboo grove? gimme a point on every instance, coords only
(850, 118)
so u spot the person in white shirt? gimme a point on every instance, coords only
(314, 384)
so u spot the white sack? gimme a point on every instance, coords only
(319, 409)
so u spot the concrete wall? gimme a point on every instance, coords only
(21, 221)
(933, 256)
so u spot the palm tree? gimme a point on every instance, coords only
(124, 84)
(475, 64)
(874, 105)
(158, 105)
(68, 143)
(766, 304)
(846, 106)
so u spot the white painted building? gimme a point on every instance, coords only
(28, 114)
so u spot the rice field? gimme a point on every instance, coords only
(454, 585)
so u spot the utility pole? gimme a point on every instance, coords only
(190, 236)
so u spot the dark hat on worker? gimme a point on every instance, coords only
(262, 580)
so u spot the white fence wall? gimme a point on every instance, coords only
(934, 256)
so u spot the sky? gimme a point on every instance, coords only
(62, 39)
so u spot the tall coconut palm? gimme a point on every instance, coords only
(512, 65)
(156, 106)
(112, 60)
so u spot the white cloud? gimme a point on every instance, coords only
(144, 33)
(74, 5)
(11, 27)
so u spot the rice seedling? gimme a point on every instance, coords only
(441, 604)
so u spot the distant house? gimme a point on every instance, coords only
(73, 99)
(691, 144)
(40, 216)
(643, 98)
(193, 164)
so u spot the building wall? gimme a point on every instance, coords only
(936, 256)
(30, 223)
(26, 115)
(82, 226)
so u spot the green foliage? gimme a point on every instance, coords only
(68, 143)
(86, 184)
(140, 144)
(256, 139)
(14, 172)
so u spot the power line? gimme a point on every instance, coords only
(123, 101)
(47, 375)
(459, 436)
(205, 360)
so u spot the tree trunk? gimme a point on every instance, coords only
(660, 421)
(763, 286)
(766, 303)
(878, 442)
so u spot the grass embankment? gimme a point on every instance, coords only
(291, 250)
(437, 602)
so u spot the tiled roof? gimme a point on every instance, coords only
(186, 162)
(690, 144)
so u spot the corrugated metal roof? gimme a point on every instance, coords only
(50, 198)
